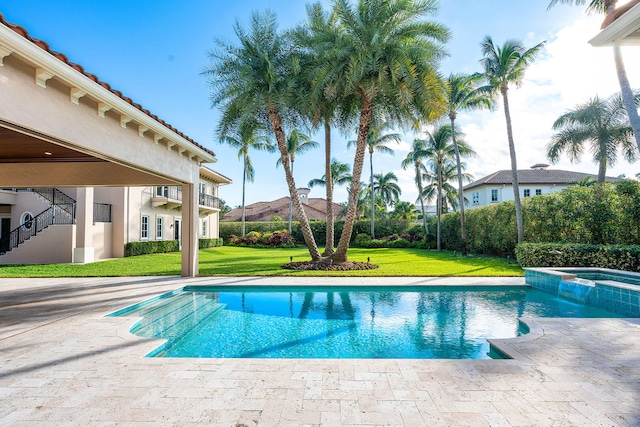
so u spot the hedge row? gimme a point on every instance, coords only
(618, 257)
(151, 247)
(602, 214)
(164, 246)
(210, 243)
(382, 228)
(277, 239)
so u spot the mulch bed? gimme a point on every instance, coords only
(325, 266)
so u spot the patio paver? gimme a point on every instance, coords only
(63, 363)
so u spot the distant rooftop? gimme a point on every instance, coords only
(538, 174)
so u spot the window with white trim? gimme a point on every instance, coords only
(159, 227)
(538, 191)
(527, 193)
(26, 221)
(202, 188)
(144, 227)
(204, 228)
(476, 198)
(494, 196)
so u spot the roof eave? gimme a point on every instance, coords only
(617, 32)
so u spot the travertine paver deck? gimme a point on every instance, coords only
(63, 363)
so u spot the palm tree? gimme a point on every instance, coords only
(605, 7)
(438, 149)
(404, 210)
(387, 58)
(464, 92)
(603, 124)
(248, 135)
(505, 66)
(257, 78)
(297, 143)
(376, 142)
(319, 32)
(415, 158)
(386, 186)
(340, 175)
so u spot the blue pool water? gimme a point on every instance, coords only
(341, 322)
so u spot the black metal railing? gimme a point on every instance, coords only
(172, 192)
(209, 201)
(53, 215)
(56, 198)
(101, 212)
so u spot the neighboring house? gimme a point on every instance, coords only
(315, 208)
(120, 215)
(538, 180)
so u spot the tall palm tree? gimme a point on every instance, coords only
(438, 149)
(376, 142)
(257, 78)
(605, 7)
(505, 66)
(297, 143)
(387, 57)
(249, 135)
(316, 36)
(385, 184)
(415, 158)
(464, 92)
(603, 123)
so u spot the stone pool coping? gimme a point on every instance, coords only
(565, 372)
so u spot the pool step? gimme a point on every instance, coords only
(175, 317)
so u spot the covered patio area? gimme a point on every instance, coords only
(62, 127)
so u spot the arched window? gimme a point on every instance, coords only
(26, 221)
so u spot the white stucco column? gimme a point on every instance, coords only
(84, 252)
(190, 230)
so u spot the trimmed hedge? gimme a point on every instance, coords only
(151, 247)
(618, 257)
(267, 239)
(210, 243)
(601, 214)
(164, 246)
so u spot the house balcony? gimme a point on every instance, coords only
(171, 198)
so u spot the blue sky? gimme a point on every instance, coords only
(154, 51)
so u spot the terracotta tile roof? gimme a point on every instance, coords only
(62, 57)
(534, 176)
(263, 211)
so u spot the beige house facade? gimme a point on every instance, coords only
(62, 127)
(120, 215)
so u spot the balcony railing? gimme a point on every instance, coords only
(174, 193)
(209, 201)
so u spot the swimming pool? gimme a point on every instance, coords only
(342, 322)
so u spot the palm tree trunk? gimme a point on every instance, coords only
(244, 185)
(514, 168)
(291, 202)
(276, 124)
(424, 217)
(627, 94)
(328, 249)
(463, 222)
(373, 196)
(358, 161)
(602, 170)
(439, 203)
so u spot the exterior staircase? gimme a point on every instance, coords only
(62, 210)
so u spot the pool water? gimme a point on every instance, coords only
(342, 322)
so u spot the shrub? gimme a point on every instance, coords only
(151, 247)
(279, 239)
(618, 257)
(210, 243)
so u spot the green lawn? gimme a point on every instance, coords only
(234, 261)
